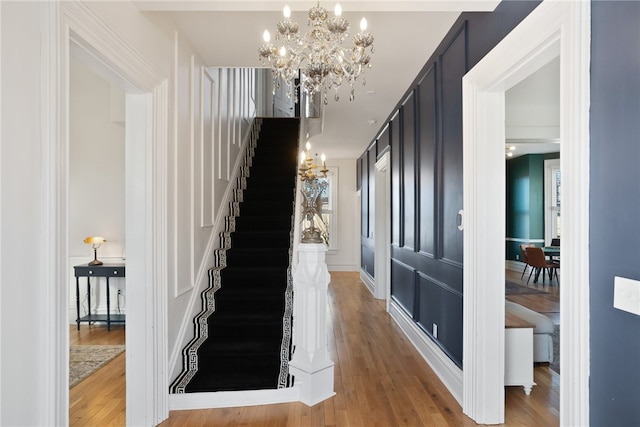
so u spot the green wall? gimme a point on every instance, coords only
(525, 201)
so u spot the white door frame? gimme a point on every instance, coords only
(554, 27)
(382, 229)
(74, 23)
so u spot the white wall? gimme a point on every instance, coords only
(96, 163)
(23, 229)
(96, 183)
(532, 107)
(347, 257)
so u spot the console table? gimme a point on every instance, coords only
(89, 271)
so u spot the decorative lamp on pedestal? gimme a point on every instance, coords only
(312, 189)
(95, 242)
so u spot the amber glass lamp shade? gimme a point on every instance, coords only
(95, 242)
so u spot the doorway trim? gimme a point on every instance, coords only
(382, 230)
(75, 25)
(553, 28)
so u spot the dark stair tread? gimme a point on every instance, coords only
(232, 382)
(220, 348)
(255, 256)
(257, 320)
(267, 220)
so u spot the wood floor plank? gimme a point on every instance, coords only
(380, 379)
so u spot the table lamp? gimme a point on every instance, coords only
(95, 242)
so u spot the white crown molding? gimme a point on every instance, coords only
(303, 5)
(86, 30)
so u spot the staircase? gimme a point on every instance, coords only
(243, 334)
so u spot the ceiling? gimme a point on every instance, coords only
(228, 34)
(532, 112)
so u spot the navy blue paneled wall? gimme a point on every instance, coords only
(424, 132)
(614, 213)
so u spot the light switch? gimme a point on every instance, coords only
(626, 295)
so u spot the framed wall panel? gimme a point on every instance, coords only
(427, 134)
(453, 66)
(372, 156)
(368, 258)
(396, 182)
(403, 286)
(223, 120)
(359, 173)
(207, 102)
(409, 170)
(439, 314)
(383, 142)
(364, 196)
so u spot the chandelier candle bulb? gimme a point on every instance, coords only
(363, 24)
(286, 11)
(266, 36)
(338, 9)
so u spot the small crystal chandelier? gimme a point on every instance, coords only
(325, 63)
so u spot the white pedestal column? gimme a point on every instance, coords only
(311, 366)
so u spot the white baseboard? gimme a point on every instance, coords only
(342, 267)
(368, 281)
(228, 399)
(444, 368)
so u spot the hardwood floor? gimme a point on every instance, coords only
(99, 400)
(547, 304)
(380, 380)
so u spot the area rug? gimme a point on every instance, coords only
(555, 366)
(86, 359)
(511, 288)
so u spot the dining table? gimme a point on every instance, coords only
(551, 252)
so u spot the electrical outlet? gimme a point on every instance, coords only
(435, 330)
(517, 257)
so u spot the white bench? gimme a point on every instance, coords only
(542, 332)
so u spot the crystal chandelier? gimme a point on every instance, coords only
(325, 63)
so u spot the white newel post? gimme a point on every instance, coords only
(311, 365)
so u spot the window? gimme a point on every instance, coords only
(552, 197)
(328, 201)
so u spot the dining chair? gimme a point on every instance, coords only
(524, 257)
(537, 259)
